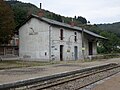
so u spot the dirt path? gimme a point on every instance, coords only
(112, 83)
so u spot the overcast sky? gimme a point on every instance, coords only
(95, 11)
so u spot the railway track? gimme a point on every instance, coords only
(74, 80)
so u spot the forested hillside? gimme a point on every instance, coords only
(23, 10)
(115, 27)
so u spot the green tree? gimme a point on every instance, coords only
(57, 17)
(82, 19)
(6, 22)
(110, 45)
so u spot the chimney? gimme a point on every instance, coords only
(41, 12)
(40, 6)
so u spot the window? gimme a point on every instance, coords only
(75, 36)
(61, 34)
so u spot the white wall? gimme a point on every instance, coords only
(56, 42)
(34, 46)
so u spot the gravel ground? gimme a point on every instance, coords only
(12, 75)
(74, 85)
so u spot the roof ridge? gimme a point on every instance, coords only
(54, 22)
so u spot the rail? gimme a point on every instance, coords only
(58, 79)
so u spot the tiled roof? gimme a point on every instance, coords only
(53, 22)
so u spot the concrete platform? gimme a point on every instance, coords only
(13, 75)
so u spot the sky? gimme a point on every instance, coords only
(95, 11)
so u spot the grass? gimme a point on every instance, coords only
(8, 64)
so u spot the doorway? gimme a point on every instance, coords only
(61, 52)
(90, 48)
(76, 52)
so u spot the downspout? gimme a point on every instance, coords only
(50, 42)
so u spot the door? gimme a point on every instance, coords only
(76, 52)
(90, 48)
(61, 52)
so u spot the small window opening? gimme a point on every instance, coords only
(61, 34)
(45, 53)
(75, 36)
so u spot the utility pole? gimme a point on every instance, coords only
(83, 48)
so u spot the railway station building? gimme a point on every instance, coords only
(45, 39)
